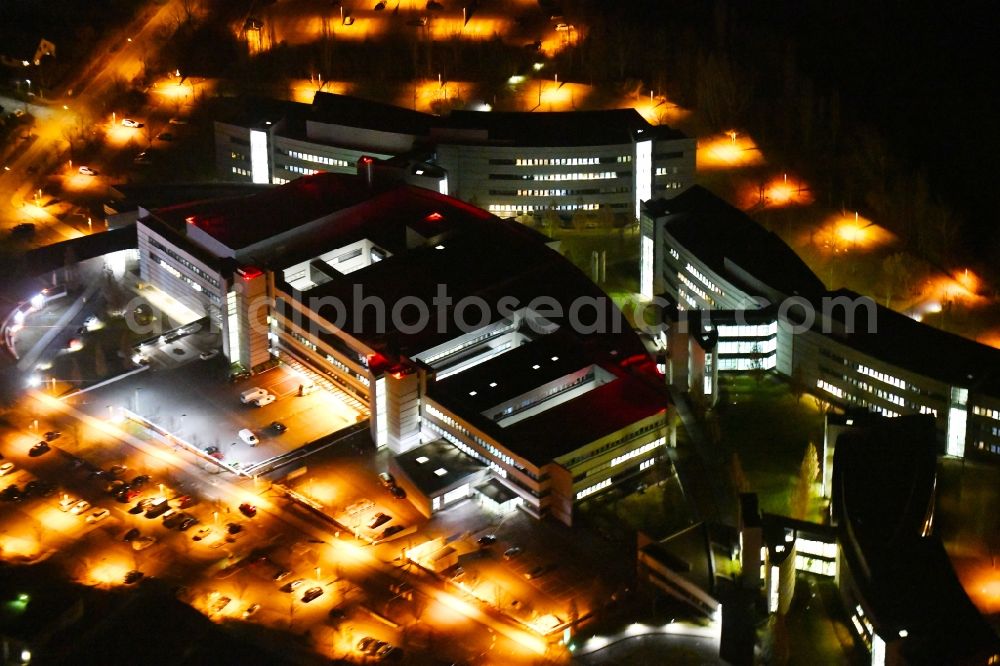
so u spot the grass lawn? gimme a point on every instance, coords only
(770, 431)
(659, 511)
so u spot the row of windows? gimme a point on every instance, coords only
(988, 413)
(830, 388)
(745, 364)
(882, 377)
(561, 193)
(557, 161)
(319, 159)
(188, 281)
(989, 448)
(691, 285)
(590, 490)
(698, 274)
(465, 448)
(672, 185)
(238, 156)
(493, 451)
(297, 169)
(635, 453)
(748, 346)
(663, 171)
(599, 175)
(241, 172)
(635, 434)
(675, 254)
(212, 280)
(749, 330)
(521, 208)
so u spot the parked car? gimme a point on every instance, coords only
(379, 519)
(139, 481)
(367, 643)
(174, 519)
(118, 470)
(248, 510)
(39, 449)
(158, 509)
(142, 543)
(214, 452)
(251, 394)
(165, 136)
(187, 523)
(291, 586)
(387, 479)
(247, 436)
(133, 577)
(6, 468)
(280, 575)
(131, 535)
(389, 531)
(128, 122)
(79, 507)
(52, 435)
(278, 426)
(219, 604)
(66, 503)
(39, 488)
(511, 552)
(11, 493)
(86, 171)
(487, 540)
(312, 593)
(145, 158)
(202, 533)
(250, 611)
(97, 516)
(397, 492)
(263, 401)
(208, 355)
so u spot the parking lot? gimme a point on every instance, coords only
(194, 402)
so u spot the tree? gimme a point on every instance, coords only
(808, 473)
(756, 364)
(897, 273)
(797, 385)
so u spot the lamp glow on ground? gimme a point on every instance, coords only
(727, 151)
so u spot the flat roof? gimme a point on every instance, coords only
(556, 128)
(715, 232)
(437, 455)
(635, 393)
(239, 222)
(908, 344)
(496, 491)
(884, 477)
(364, 113)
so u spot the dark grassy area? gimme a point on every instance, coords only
(770, 431)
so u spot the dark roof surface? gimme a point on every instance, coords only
(884, 476)
(243, 221)
(558, 128)
(714, 231)
(440, 454)
(358, 112)
(632, 395)
(901, 341)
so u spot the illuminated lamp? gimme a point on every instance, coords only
(434, 217)
(190, 219)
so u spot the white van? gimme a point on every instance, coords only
(252, 394)
(248, 437)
